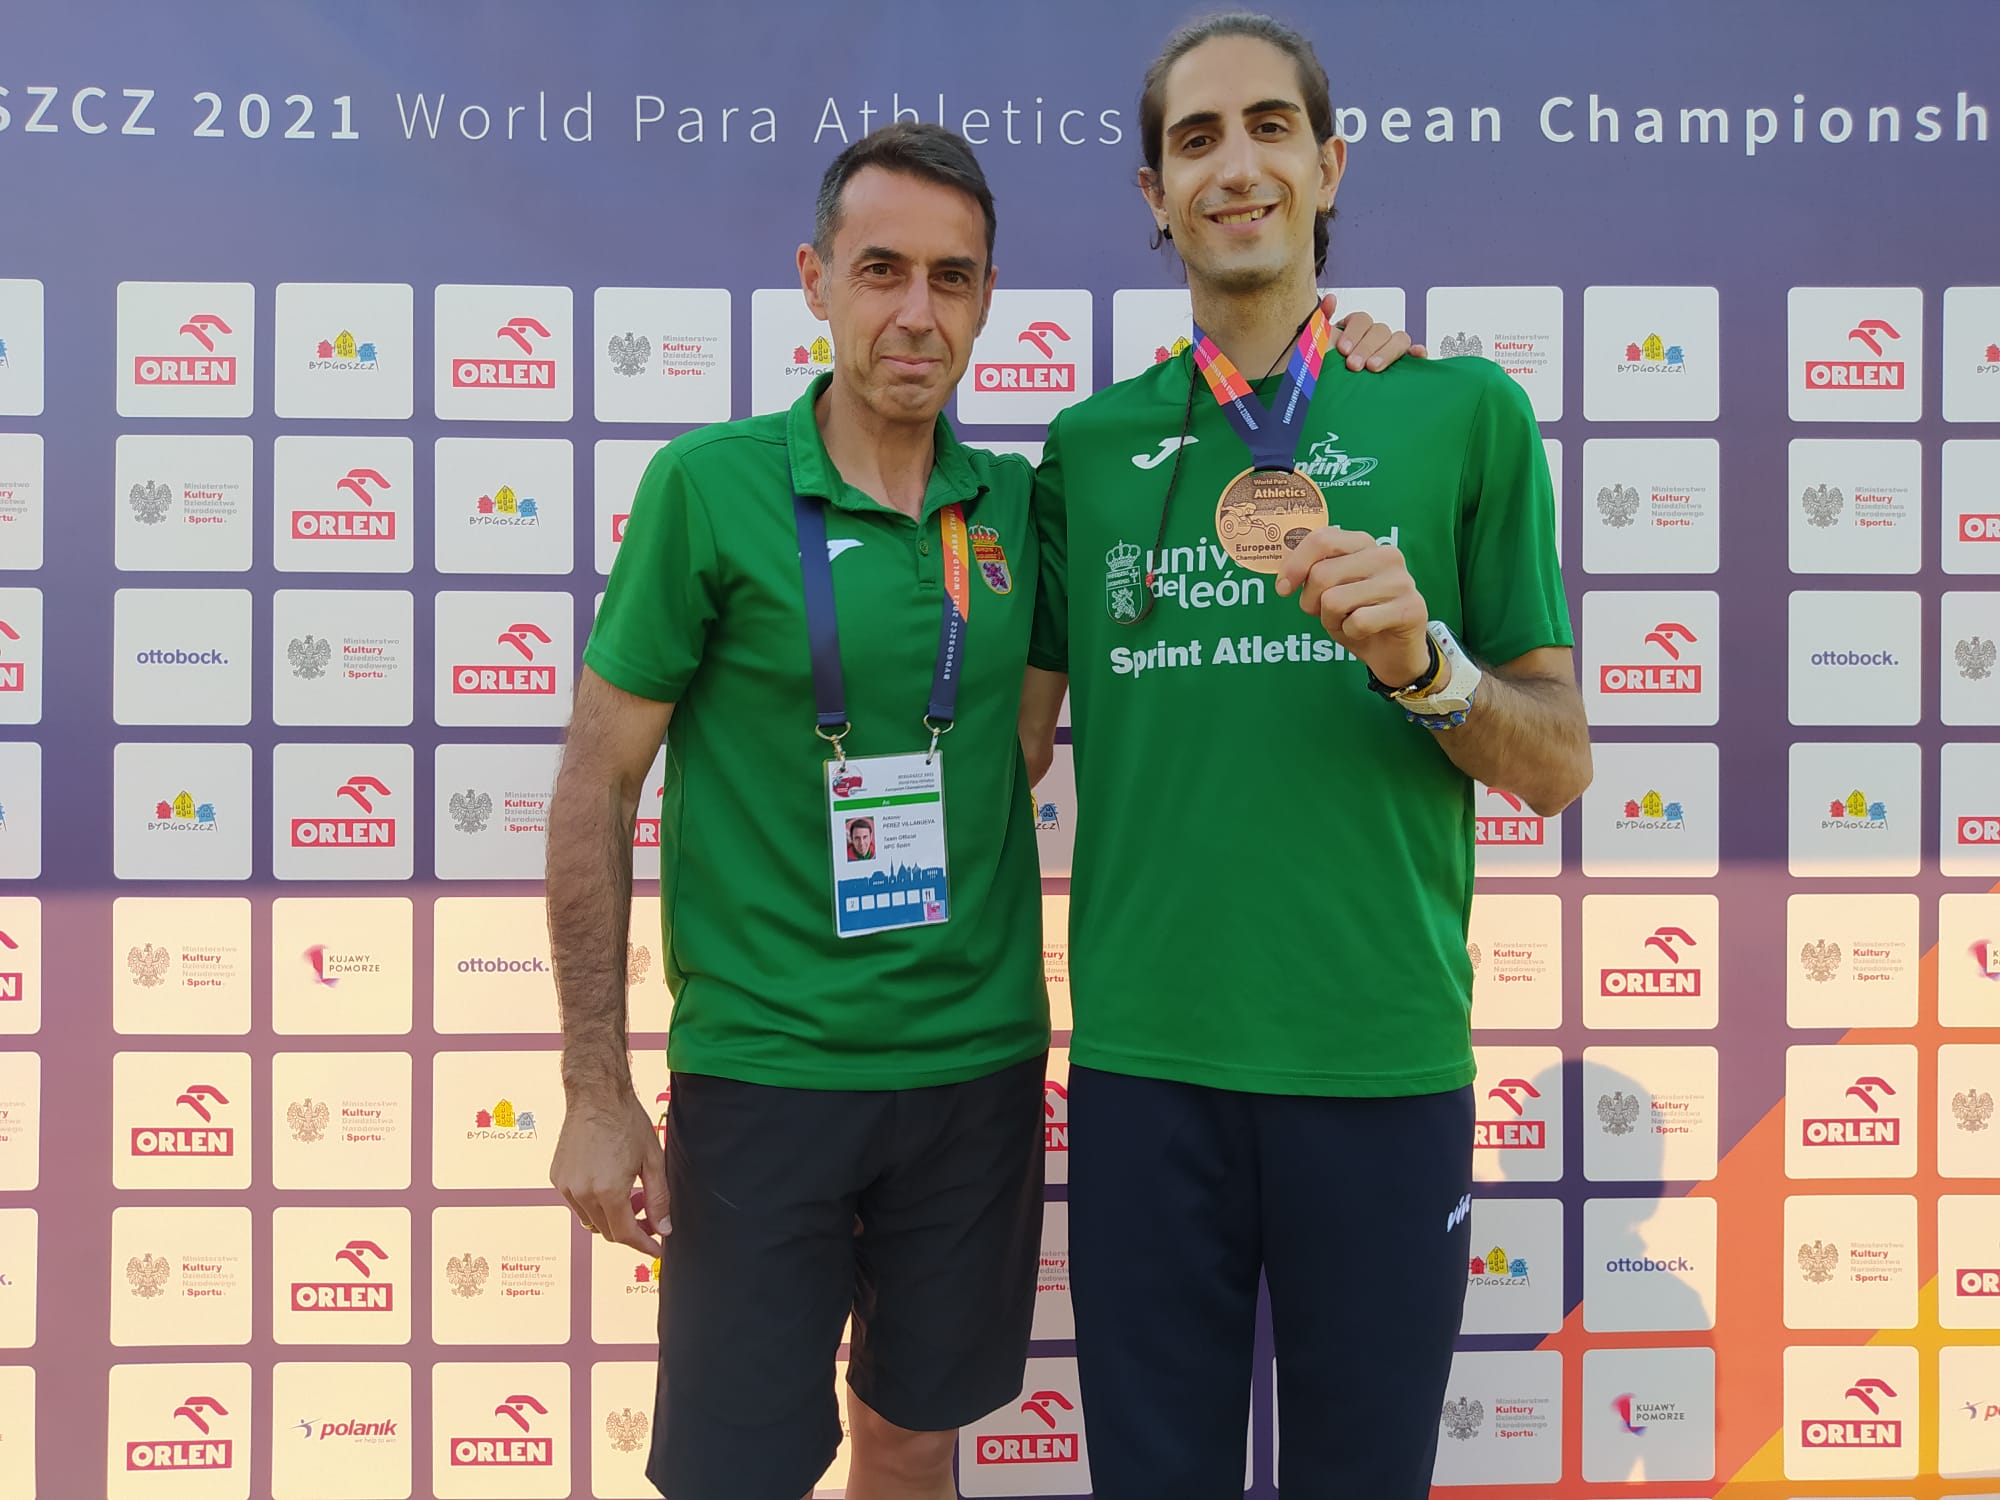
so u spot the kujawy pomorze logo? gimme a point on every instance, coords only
(508, 370)
(183, 1139)
(529, 1450)
(185, 366)
(368, 1295)
(509, 678)
(338, 521)
(181, 1451)
(371, 830)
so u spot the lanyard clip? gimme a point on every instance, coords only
(834, 739)
(938, 732)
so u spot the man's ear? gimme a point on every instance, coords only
(1332, 166)
(812, 280)
(1155, 196)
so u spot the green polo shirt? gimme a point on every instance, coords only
(705, 610)
(1273, 867)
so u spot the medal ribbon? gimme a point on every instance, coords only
(1270, 434)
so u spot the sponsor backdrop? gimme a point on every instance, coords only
(330, 350)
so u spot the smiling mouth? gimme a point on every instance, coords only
(1241, 215)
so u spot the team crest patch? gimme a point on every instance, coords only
(992, 559)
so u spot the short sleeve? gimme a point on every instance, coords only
(1048, 646)
(662, 600)
(1509, 577)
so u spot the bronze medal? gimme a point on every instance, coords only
(1264, 513)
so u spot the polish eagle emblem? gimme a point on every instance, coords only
(629, 353)
(148, 1275)
(306, 1118)
(1818, 1260)
(309, 657)
(1617, 1112)
(625, 1429)
(470, 810)
(467, 1274)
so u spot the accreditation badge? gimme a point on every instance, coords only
(886, 829)
(1265, 513)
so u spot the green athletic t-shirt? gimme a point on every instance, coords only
(1273, 866)
(705, 609)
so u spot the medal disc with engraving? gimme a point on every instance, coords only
(1264, 513)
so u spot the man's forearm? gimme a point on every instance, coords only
(590, 912)
(1525, 735)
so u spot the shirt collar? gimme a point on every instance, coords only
(813, 472)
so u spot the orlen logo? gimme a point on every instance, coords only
(331, 524)
(1871, 1129)
(1842, 1432)
(646, 831)
(349, 833)
(516, 1452)
(10, 980)
(1055, 1116)
(205, 1452)
(1031, 1447)
(474, 372)
(188, 1140)
(13, 674)
(1517, 1134)
(206, 368)
(509, 678)
(1860, 374)
(1046, 374)
(1676, 982)
(1979, 830)
(618, 520)
(1979, 527)
(1524, 827)
(1680, 677)
(1977, 1281)
(365, 1295)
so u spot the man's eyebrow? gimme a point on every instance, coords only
(1214, 117)
(870, 253)
(879, 252)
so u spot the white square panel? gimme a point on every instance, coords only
(500, 1430)
(501, 1275)
(618, 466)
(182, 504)
(1854, 810)
(1851, 1413)
(20, 1121)
(181, 1277)
(1653, 811)
(1652, 505)
(1034, 1444)
(343, 504)
(490, 810)
(789, 347)
(20, 811)
(1648, 1415)
(341, 1276)
(1515, 943)
(661, 354)
(17, 1428)
(1650, 1114)
(186, 348)
(23, 347)
(1970, 485)
(21, 657)
(1968, 1412)
(1649, 1264)
(1856, 505)
(1971, 354)
(344, 350)
(1850, 1261)
(1856, 354)
(1502, 1419)
(1515, 1283)
(341, 1120)
(624, 1291)
(503, 659)
(20, 1248)
(1519, 328)
(1853, 960)
(1969, 809)
(1850, 1111)
(341, 966)
(180, 656)
(23, 501)
(359, 1445)
(1033, 360)
(1651, 657)
(343, 812)
(1651, 963)
(1651, 354)
(180, 966)
(342, 656)
(495, 1117)
(197, 1420)
(1855, 658)
(1518, 1117)
(504, 353)
(181, 1120)
(1969, 658)
(621, 1427)
(491, 969)
(181, 811)
(1968, 1261)
(505, 505)
(20, 965)
(1968, 1139)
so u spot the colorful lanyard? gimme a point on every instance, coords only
(823, 630)
(1271, 438)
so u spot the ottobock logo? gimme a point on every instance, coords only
(1820, 959)
(13, 674)
(1618, 504)
(147, 1275)
(626, 1430)
(1878, 337)
(504, 507)
(1978, 830)
(1975, 659)
(1676, 982)
(1051, 1408)
(307, 1120)
(1676, 676)
(11, 987)
(365, 1295)
(1518, 825)
(509, 678)
(150, 500)
(1055, 1116)
(369, 831)
(182, 1452)
(1819, 1261)
(1653, 355)
(336, 523)
(526, 1451)
(1872, 1129)
(185, 367)
(1516, 1134)
(1617, 1112)
(516, 367)
(494, 964)
(1852, 1432)
(205, 1139)
(344, 353)
(1047, 374)
(1496, 1267)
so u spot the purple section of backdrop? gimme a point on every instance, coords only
(83, 213)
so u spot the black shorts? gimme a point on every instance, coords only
(918, 1210)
